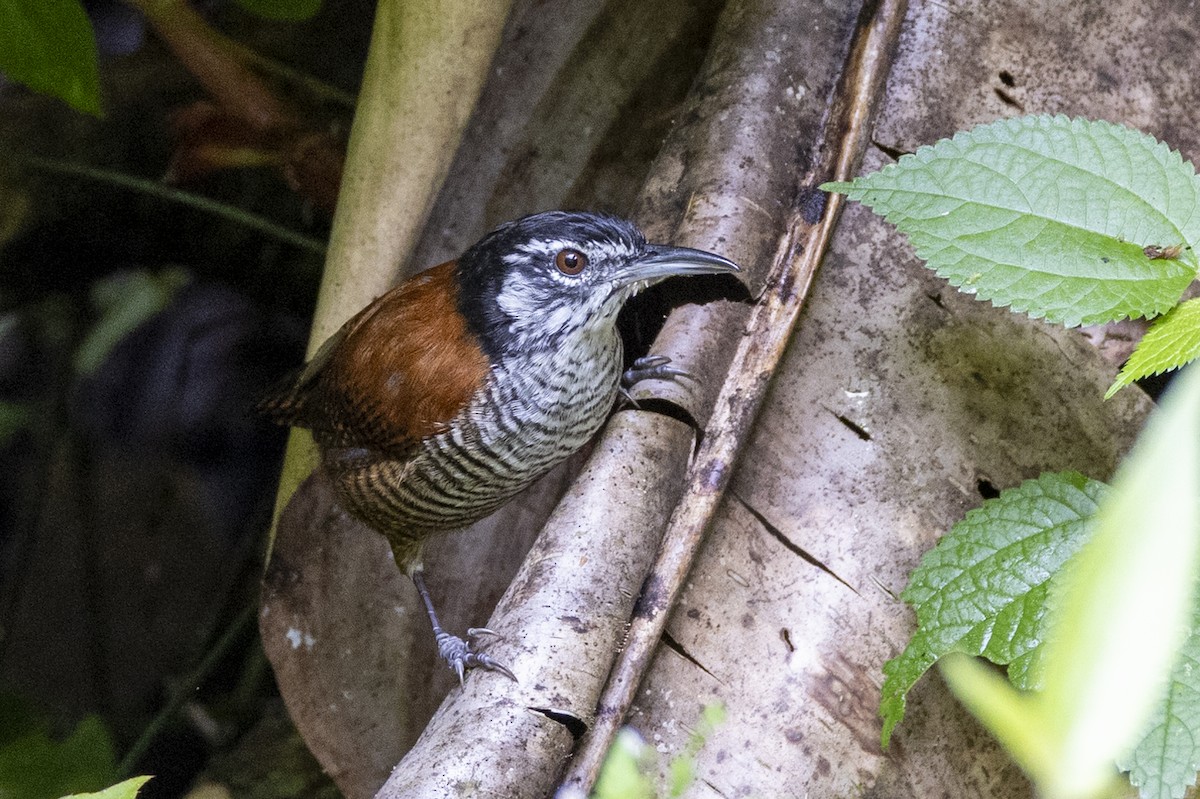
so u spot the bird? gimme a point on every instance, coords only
(449, 394)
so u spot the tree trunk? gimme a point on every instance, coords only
(898, 404)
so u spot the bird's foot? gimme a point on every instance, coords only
(649, 367)
(460, 655)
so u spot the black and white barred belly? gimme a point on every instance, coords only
(525, 421)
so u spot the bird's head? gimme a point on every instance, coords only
(531, 283)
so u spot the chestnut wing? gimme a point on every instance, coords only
(398, 371)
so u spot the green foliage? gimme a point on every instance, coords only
(1171, 342)
(1120, 611)
(124, 301)
(1078, 222)
(48, 45)
(683, 766)
(122, 790)
(35, 766)
(982, 589)
(1051, 216)
(14, 417)
(625, 774)
(1165, 762)
(284, 10)
(627, 768)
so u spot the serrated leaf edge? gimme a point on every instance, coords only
(1128, 136)
(1129, 372)
(918, 649)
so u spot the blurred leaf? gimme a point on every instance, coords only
(48, 45)
(125, 301)
(982, 589)
(284, 10)
(624, 774)
(682, 769)
(713, 715)
(1165, 761)
(1120, 611)
(34, 766)
(1123, 606)
(122, 790)
(14, 417)
(1051, 216)
(682, 774)
(1171, 342)
(1008, 713)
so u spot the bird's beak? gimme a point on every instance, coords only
(660, 261)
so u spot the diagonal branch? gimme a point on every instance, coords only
(768, 331)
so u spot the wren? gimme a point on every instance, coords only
(454, 391)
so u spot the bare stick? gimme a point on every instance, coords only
(768, 331)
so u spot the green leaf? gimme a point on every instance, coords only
(1165, 761)
(1010, 715)
(682, 768)
(681, 774)
(14, 417)
(48, 45)
(284, 10)
(1123, 605)
(125, 300)
(1047, 215)
(1171, 342)
(982, 589)
(34, 766)
(1120, 611)
(122, 790)
(624, 773)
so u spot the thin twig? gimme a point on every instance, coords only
(186, 688)
(155, 189)
(315, 87)
(768, 331)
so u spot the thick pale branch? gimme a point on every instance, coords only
(425, 68)
(768, 331)
(700, 193)
(559, 621)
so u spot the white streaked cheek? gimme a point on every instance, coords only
(519, 299)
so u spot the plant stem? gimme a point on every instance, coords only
(155, 189)
(186, 687)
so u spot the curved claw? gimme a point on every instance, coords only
(476, 660)
(460, 657)
(476, 632)
(651, 367)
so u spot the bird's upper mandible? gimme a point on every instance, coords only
(532, 283)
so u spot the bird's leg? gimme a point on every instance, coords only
(457, 653)
(649, 367)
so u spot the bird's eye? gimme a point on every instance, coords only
(570, 262)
